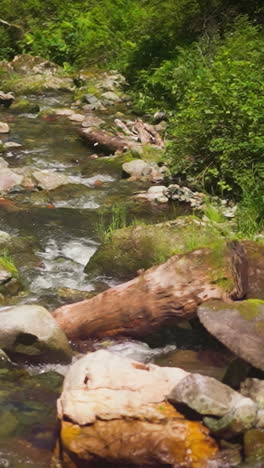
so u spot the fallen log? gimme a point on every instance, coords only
(104, 141)
(161, 295)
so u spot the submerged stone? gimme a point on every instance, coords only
(254, 447)
(23, 105)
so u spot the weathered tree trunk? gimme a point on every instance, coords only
(104, 141)
(158, 296)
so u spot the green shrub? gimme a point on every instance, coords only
(218, 129)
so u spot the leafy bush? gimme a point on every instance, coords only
(218, 129)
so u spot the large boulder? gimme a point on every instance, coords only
(113, 409)
(31, 330)
(28, 74)
(133, 248)
(239, 326)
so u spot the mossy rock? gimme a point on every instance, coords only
(138, 247)
(28, 403)
(150, 153)
(37, 84)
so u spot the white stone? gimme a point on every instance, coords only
(106, 386)
(4, 127)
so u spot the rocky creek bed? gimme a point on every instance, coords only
(167, 361)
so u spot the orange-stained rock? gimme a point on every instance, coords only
(176, 442)
(114, 410)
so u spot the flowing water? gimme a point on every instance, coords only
(63, 224)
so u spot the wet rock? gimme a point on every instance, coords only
(27, 407)
(3, 357)
(69, 295)
(134, 168)
(63, 112)
(138, 169)
(32, 331)
(184, 194)
(92, 121)
(205, 362)
(254, 389)
(254, 447)
(207, 396)
(113, 409)
(111, 97)
(6, 99)
(5, 238)
(93, 103)
(23, 105)
(26, 172)
(77, 117)
(155, 194)
(26, 64)
(244, 319)
(4, 127)
(3, 163)
(9, 179)
(12, 145)
(31, 74)
(48, 180)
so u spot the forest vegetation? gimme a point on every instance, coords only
(201, 61)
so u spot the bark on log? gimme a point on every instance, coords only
(161, 295)
(104, 141)
(147, 134)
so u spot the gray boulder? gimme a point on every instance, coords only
(210, 397)
(31, 330)
(239, 326)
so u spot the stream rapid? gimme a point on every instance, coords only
(63, 224)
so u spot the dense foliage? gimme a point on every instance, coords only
(202, 60)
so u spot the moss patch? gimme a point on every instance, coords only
(141, 246)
